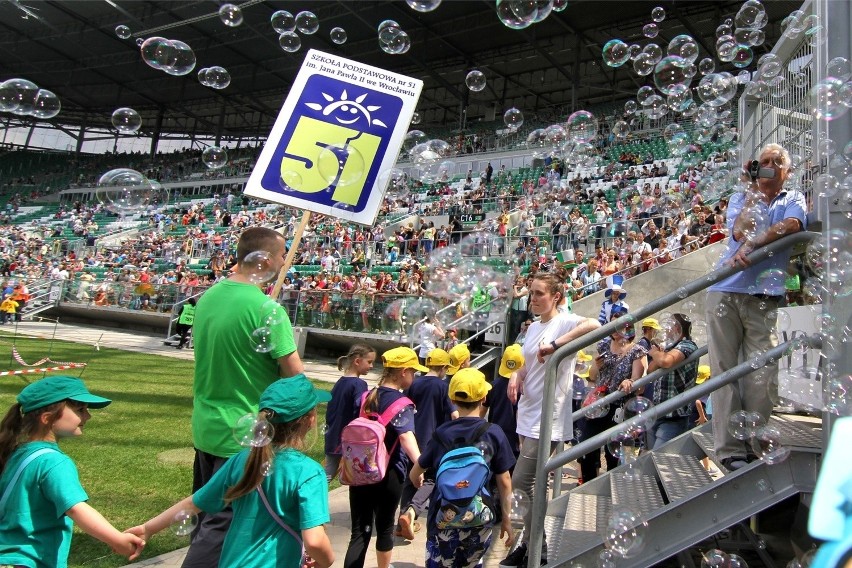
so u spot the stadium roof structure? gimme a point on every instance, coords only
(546, 70)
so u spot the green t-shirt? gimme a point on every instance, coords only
(297, 492)
(187, 315)
(230, 374)
(34, 530)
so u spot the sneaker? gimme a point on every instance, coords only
(713, 470)
(734, 463)
(517, 558)
(406, 524)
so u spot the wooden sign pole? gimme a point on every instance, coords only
(288, 262)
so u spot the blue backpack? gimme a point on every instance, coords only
(463, 499)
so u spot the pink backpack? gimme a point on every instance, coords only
(365, 458)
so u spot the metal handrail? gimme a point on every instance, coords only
(570, 349)
(647, 379)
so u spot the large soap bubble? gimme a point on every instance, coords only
(253, 431)
(625, 532)
(214, 157)
(828, 99)
(751, 15)
(231, 15)
(157, 52)
(582, 127)
(307, 22)
(215, 77)
(290, 42)
(671, 74)
(716, 89)
(183, 59)
(513, 119)
(282, 21)
(18, 96)
(517, 14)
(423, 5)
(475, 80)
(126, 120)
(122, 31)
(615, 53)
(46, 104)
(683, 46)
(338, 35)
(126, 191)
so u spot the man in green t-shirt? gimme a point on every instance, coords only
(232, 370)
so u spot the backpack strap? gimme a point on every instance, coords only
(394, 409)
(27, 460)
(279, 520)
(476, 435)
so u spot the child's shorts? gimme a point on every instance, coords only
(460, 548)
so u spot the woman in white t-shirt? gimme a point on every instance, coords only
(526, 386)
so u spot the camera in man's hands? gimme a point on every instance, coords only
(755, 171)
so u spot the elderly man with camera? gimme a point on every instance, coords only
(737, 306)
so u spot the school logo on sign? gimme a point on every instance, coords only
(338, 130)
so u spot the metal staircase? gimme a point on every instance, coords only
(680, 502)
(44, 294)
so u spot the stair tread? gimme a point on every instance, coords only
(680, 474)
(638, 491)
(585, 521)
(797, 434)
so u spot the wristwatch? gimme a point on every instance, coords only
(553, 344)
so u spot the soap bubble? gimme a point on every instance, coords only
(181, 61)
(475, 80)
(214, 157)
(615, 53)
(332, 158)
(517, 14)
(261, 339)
(654, 51)
(513, 119)
(630, 107)
(582, 127)
(752, 14)
(290, 42)
(307, 22)
(519, 505)
(769, 445)
(838, 396)
(650, 30)
(231, 15)
(644, 93)
(125, 191)
(46, 104)
(625, 532)
(253, 431)
(18, 96)
(658, 14)
(655, 107)
(670, 74)
(715, 558)
(644, 64)
(735, 561)
(620, 129)
(742, 56)
(337, 35)
(413, 138)
(637, 405)
(416, 118)
(217, 77)
(683, 46)
(266, 469)
(738, 425)
(827, 99)
(706, 66)
(423, 5)
(259, 267)
(157, 52)
(122, 31)
(139, 42)
(283, 21)
(839, 67)
(184, 523)
(485, 449)
(623, 445)
(400, 420)
(272, 313)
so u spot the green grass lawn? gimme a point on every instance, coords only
(135, 455)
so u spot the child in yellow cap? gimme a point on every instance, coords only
(501, 411)
(459, 359)
(454, 539)
(429, 394)
(702, 412)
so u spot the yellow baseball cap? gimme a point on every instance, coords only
(468, 385)
(703, 374)
(437, 358)
(583, 356)
(458, 355)
(512, 360)
(402, 358)
(652, 323)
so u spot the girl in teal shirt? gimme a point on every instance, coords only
(279, 495)
(40, 492)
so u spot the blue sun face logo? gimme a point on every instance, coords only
(345, 111)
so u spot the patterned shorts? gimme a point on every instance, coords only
(457, 548)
